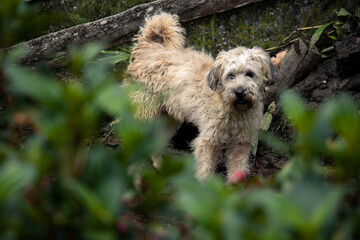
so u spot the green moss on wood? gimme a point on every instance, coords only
(263, 24)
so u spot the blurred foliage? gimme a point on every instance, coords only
(121, 55)
(345, 24)
(19, 21)
(58, 180)
(12, 26)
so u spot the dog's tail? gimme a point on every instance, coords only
(165, 29)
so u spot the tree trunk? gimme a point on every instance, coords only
(120, 28)
(292, 68)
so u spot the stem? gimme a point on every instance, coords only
(285, 42)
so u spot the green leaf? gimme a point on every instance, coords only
(15, 176)
(266, 121)
(111, 190)
(96, 74)
(113, 100)
(91, 201)
(276, 143)
(100, 235)
(346, 119)
(125, 50)
(321, 126)
(254, 148)
(339, 33)
(81, 57)
(15, 54)
(196, 199)
(357, 12)
(33, 84)
(343, 13)
(316, 36)
(294, 108)
(272, 107)
(122, 57)
(327, 50)
(116, 57)
(87, 53)
(326, 209)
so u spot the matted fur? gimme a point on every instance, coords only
(222, 97)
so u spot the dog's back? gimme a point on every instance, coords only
(161, 33)
(161, 63)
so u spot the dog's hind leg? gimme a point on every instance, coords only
(170, 130)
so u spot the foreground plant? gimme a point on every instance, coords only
(59, 180)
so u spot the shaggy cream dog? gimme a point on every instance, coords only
(222, 97)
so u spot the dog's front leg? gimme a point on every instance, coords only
(206, 154)
(237, 160)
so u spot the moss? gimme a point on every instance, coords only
(263, 24)
(70, 13)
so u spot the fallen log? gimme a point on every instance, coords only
(119, 28)
(293, 67)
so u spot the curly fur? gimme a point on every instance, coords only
(222, 97)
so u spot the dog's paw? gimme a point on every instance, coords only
(237, 177)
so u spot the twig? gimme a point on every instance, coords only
(282, 46)
(285, 42)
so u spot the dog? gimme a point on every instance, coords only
(221, 97)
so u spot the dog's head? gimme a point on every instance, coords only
(239, 75)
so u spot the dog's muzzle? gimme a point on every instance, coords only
(243, 98)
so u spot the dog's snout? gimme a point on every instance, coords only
(243, 97)
(240, 93)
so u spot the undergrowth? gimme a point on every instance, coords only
(60, 181)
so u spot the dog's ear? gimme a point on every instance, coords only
(214, 75)
(268, 68)
(212, 80)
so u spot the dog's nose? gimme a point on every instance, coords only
(240, 93)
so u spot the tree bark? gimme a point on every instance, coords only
(120, 28)
(292, 68)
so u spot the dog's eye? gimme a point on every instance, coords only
(231, 76)
(249, 74)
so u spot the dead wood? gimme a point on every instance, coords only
(120, 28)
(293, 67)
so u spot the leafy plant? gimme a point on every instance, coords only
(59, 180)
(303, 204)
(344, 24)
(116, 56)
